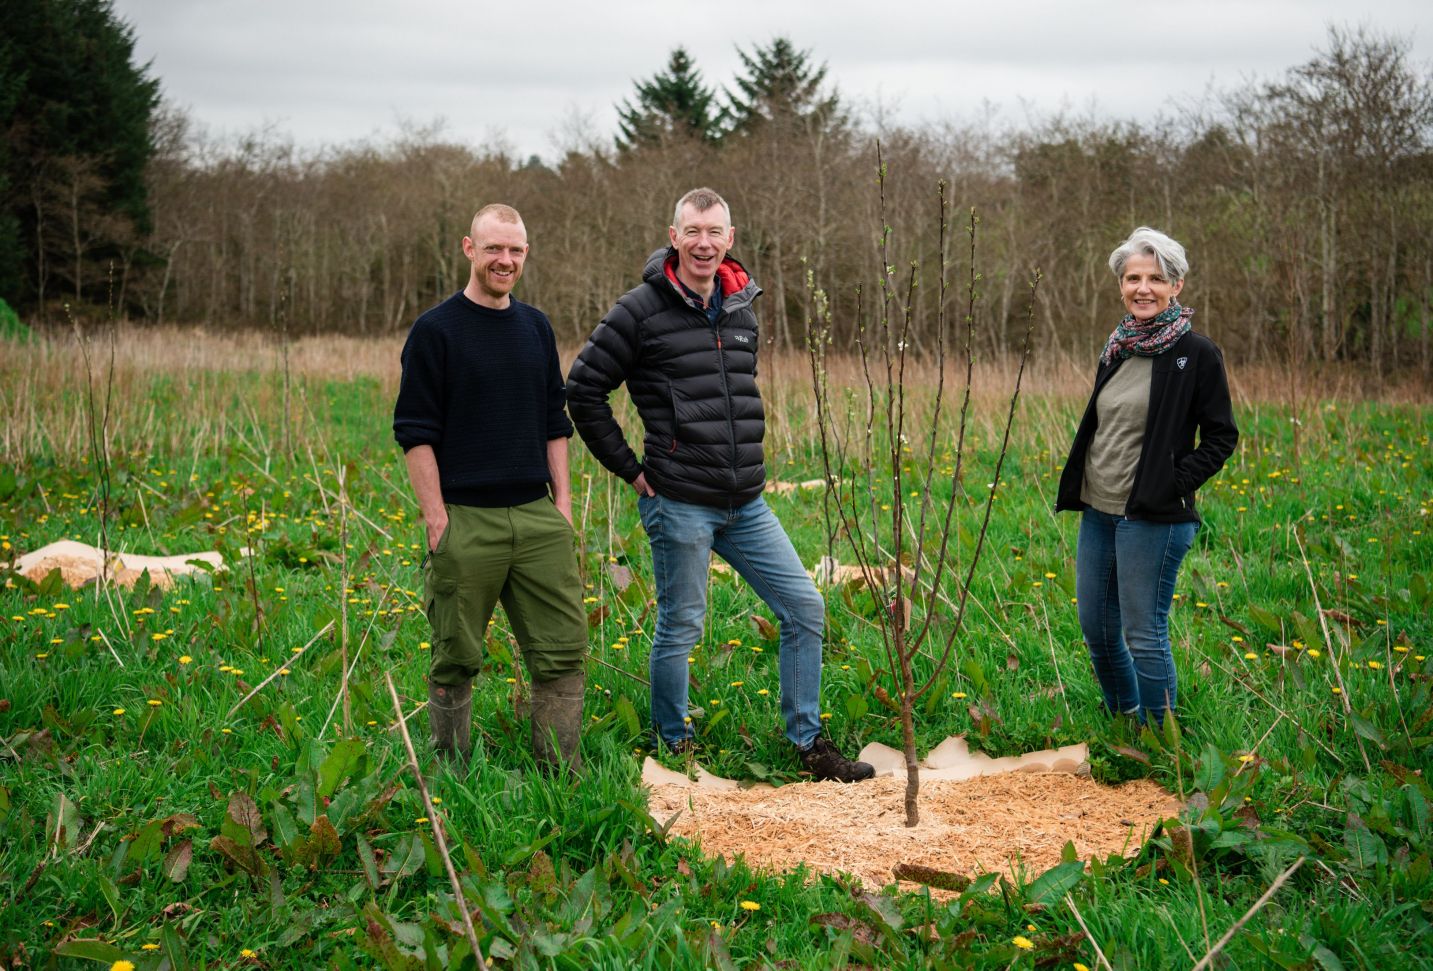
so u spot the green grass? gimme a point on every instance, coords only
(119, 831)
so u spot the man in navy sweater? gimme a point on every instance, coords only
(480, 416)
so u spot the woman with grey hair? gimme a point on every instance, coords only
(1133, 470)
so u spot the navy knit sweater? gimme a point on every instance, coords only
(484, 388)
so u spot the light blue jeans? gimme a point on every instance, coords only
(1124, 582)
(683, 536)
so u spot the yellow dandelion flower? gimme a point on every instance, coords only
(154, 702)
(122, 966)
(763, 691)
(825, 716)
(1337, 690)
(424, 645)
(1375, 665)
(1314, 652)
(750, 905)
(149, 947)
(1023, 942)
(1246, 758)
(421, 820)
(1081, 967)
(737, 684)
(119, 711)
(1250, 656)
(246, 952)
(185, 659)
(958, 695)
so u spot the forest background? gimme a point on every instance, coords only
(1306, 203)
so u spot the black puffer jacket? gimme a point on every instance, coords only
(693, 382)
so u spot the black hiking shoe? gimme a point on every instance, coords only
(826, 764)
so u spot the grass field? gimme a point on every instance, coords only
(142, 820)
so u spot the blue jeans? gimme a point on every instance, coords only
(1124, 582)
(682, 536)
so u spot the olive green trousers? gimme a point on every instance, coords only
(522, 556)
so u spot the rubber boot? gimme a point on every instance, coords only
(557, 724)
(450, 719)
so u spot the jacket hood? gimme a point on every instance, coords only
(662, 264)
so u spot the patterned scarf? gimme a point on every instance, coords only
(1150, 338)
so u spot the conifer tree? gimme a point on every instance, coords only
(74, 111)
(781, 85)
(672, 103)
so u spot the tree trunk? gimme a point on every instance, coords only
(908, 743)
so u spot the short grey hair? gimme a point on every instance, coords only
(701, 200)
(1151, 242)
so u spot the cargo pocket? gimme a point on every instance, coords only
(450, 662)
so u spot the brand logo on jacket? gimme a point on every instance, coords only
(742, 338)
(1179, 362)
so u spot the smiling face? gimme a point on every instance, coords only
(701, 239)
(497, 250)
(1145, 289)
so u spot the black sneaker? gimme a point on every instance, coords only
(826, 764)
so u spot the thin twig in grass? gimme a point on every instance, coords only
(1333, 651)
(1164, 912)
(1258, 905)
(349, 666)
(436, 822)
(1054, 658)
(1257, 745)
(105, 637)
(278, 670)
(244, 492)
(343, 600)
(1069, 902)
(640, 680)
(1255, 692)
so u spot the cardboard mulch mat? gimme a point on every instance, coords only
(81, 564)
(977, 815)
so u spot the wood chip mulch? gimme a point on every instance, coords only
(993, 823)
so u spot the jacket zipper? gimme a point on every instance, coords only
(726, 392)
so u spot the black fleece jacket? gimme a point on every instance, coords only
(484, 388)
(693, 382)
(1188, 392)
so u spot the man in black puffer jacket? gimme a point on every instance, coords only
(685, 343)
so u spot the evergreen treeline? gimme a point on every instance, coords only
(1306, 204)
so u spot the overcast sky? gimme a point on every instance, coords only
(531, 74)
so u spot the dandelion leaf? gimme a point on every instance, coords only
(343, 761)
(177, 860)
(242, 823)
(62, 825)
(1054, 883)
(239, 856)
